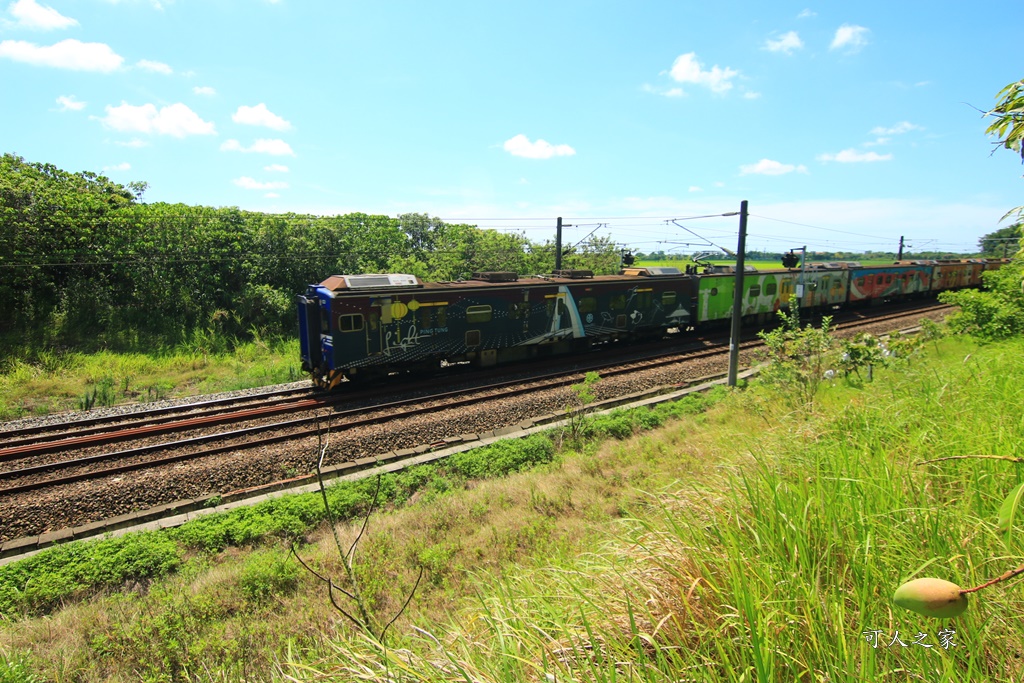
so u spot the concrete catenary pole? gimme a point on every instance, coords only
(737, 298)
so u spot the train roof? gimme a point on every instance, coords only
(385, 282)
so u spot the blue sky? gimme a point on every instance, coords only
(845, 125)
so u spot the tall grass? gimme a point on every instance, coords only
(779, 567)
(51, 381)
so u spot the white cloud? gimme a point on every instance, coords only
(850, 37)
(157, 67)
(176, 120)
(520, 146)
(750, 95)
(853, 156)
(271, 195)
(771, 167)
(69, 103)
(276, 168)
(695, 188)
(785, 43)
(248, 183)
(899, 129)
(32, 15)
(260, 116)
(135, 144)
(261, 146)
(687, 69)
(664, 92)
(124, 166)
(204, 90)
(67, 54)
(877, 142)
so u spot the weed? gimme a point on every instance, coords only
(266, 574)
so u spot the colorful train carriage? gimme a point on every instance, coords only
(826, 285)
(951, 274)
(366, 325)
(763, 295)
(877, 284)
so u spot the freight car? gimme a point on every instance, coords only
(366, 326)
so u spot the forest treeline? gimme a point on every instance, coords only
(86, 264)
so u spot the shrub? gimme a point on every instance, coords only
(39, 583)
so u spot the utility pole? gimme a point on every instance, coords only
(558, 245)
(900, 257)
(737, 298)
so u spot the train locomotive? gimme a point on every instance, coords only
(359, 327)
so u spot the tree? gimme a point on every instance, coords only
(1002, 242)
(1008, 126)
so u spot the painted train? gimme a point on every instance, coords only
(364, 326)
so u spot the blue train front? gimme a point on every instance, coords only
(363, 326)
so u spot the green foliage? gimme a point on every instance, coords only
(1002, 242)
(502, 457)
(799, 357)
(997, 312)
(1008, 126)
(39, 583)
(15, 669)
(88, 266)
(267, 574)
(577, 410)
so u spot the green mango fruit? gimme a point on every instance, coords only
(932, 598)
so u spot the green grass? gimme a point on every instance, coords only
(727, 538)
(52, 382)
(778, 566)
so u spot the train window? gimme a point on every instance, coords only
(714, 291)
(620, 322)
(888, 279)
(478, 314)
(374, 321)
(617, 302)
(643, 300)
(473, 338)
(880, 279)
(668, 299)
(754, 292)
(442, 316)
(860, 282)
(771, 288)
(350, 322)
(588, 304)
(426, 317)
(325, 321)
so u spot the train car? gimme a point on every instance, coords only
(874, 285)
(950, 274)
(764, 294)
(363, 326)
(826, 285)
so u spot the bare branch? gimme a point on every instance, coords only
(407, 601)
(1003, 577)
(366, 520)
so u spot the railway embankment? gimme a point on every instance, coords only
(665, 545)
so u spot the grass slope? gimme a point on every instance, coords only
(738, 539)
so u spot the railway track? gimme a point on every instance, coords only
(49, 469)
